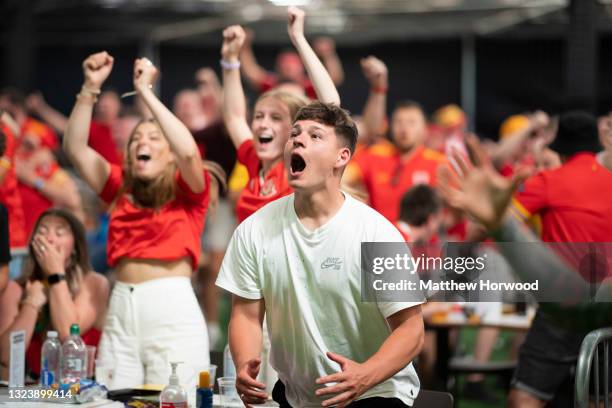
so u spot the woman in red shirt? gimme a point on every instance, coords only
(157, 204)
(57, 288)
(260, 147)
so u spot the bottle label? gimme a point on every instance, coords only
(173, 405)
(74, 364)
(46, 378)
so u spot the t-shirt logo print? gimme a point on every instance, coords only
(268, 188)
(331, 262)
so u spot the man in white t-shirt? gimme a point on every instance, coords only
(298, 261)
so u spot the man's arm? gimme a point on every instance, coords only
(245, 340)
(396, 352)
(375, 109)
(325, 47)
(252, 71)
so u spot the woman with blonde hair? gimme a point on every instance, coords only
(260, 146)
(157, 204)
(57, 288)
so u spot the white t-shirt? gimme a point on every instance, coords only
(310, 281)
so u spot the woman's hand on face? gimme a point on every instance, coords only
(50, 259)
(35, 294)
(145, 74)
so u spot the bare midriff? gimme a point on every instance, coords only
(142, 270)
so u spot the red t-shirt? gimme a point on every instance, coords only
(10, 196)
(101, 140)
(168, 233)
(271, 81)
(257, 192)
(387, 177)
(33, 200)
(574, 201)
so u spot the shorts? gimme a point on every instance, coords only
(150, 324)
(547, 362)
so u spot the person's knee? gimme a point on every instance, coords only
(521, 399)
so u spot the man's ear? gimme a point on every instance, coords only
(344, 155)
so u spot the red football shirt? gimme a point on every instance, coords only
(33, 200)
(574, 201)
(387, 177)
(168, 233)
(259, 191)
(10, 196)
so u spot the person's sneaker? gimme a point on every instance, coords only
(476, 390)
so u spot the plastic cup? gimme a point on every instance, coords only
(227, 392)
(212, 371)
(104, 372)
(91, 357)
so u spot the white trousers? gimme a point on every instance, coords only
(149, 325)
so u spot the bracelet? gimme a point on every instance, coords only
(379, 89)
(87, 97)
(229, 65)
(28, 302)
(38, 184)
(91, 90)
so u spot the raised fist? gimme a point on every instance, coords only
(96, 68)
(324, 46)
(375, 71)
(35, 101)
(145, 74)
(233, 39)
(295, 22)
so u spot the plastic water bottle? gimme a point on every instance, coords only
(50, 360)
(173, 396)
(74, 357)
(229, 370)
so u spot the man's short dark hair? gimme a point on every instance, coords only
(408, 104)
(14, 95)
(577, 132)
(418, 204)
(331, 115)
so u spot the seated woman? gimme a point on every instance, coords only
(57, 288)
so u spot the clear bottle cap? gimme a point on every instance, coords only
(52, 334)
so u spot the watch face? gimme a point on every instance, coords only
(55, 278)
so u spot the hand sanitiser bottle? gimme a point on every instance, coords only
(173, 396)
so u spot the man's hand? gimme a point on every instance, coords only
(145, 74)
(96, 68)
(478, 189)
(295, 23)
(233, 40)
(249, 389)
(35, 102)
(324, 47)
(375, 72)
(352, 382)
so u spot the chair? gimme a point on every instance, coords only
(589, 357)
(462, 365)
(433, 399)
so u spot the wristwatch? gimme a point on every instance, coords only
(55, 278)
